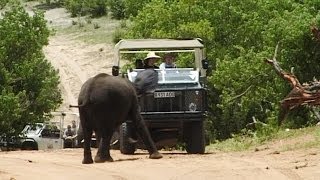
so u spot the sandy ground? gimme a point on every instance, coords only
(66, 164)
(77, 62)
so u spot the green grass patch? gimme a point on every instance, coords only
(292, 139)
(92, 31)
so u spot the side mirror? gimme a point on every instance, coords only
(205, 64)
(115, 70)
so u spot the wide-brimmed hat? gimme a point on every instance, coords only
(152, 55)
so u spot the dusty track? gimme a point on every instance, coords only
(76, 63)
(66, 164)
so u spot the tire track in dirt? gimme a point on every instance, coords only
(76, 63)
(175, 165)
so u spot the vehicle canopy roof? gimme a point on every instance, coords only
(132, 44)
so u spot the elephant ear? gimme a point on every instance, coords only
(146, 81)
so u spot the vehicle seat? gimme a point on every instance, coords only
(139, 64)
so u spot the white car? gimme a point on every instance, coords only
(41, 136)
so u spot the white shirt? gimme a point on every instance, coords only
(164, 66)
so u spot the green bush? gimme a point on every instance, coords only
(28, 83)
(239, 36)
(117, 8)
(93, 8)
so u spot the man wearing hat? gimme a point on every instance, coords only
(168, 61)
(150, 60)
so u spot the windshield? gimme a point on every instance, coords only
(172, 75)
(32, 129)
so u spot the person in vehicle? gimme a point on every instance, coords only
(69, 137)
(150, 60)
(168, 61)
(68, 132)
(74, 126)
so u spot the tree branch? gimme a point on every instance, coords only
(306, 94)
(239, 95)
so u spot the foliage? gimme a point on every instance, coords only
(28, 83)
(239, 35)
(132, 7)
(289, 139)
(117, 8)
(95, 8)
(3, 3)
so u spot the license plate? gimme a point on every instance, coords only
(163, 94)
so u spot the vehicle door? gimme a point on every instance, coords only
(50, 139)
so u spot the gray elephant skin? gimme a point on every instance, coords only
(104, 103)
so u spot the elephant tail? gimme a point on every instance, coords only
(75, 106)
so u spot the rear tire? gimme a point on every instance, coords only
(195, 138)
(125, 133)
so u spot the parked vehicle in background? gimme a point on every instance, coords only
(9, 143)
(41, 136)
(176, 111)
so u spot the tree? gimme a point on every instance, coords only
(28, 83)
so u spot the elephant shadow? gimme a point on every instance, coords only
(126, 159)
(163, 152)
(176, 153)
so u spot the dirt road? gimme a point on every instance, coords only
(66, 164)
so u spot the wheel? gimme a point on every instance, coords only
(195, 138)
(4, 148)
(125, 133)
(29, 146)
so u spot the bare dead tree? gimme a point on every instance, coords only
(316, 32)
(301, 94)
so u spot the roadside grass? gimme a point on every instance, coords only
(282, 140)
(91, 30)
(86, 29)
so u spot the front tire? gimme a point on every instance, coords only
(125, 133)
(195, 139)
(29, 146)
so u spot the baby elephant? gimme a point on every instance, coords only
(104, 103)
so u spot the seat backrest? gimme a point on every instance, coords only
(139, 64)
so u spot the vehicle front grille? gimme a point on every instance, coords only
(187, 100)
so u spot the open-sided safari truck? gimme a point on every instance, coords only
(175, 112)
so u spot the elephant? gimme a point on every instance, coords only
(105, 102)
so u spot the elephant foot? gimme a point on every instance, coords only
(99, 159)
(155, 155)
(87, 161)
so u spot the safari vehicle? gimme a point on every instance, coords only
(176, 111)
(41, 136)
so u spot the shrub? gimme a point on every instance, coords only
(28, 82)
(93, 8)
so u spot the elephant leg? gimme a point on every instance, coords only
(87, 133)
(87, 157)
(103, 153)
(144, 133)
